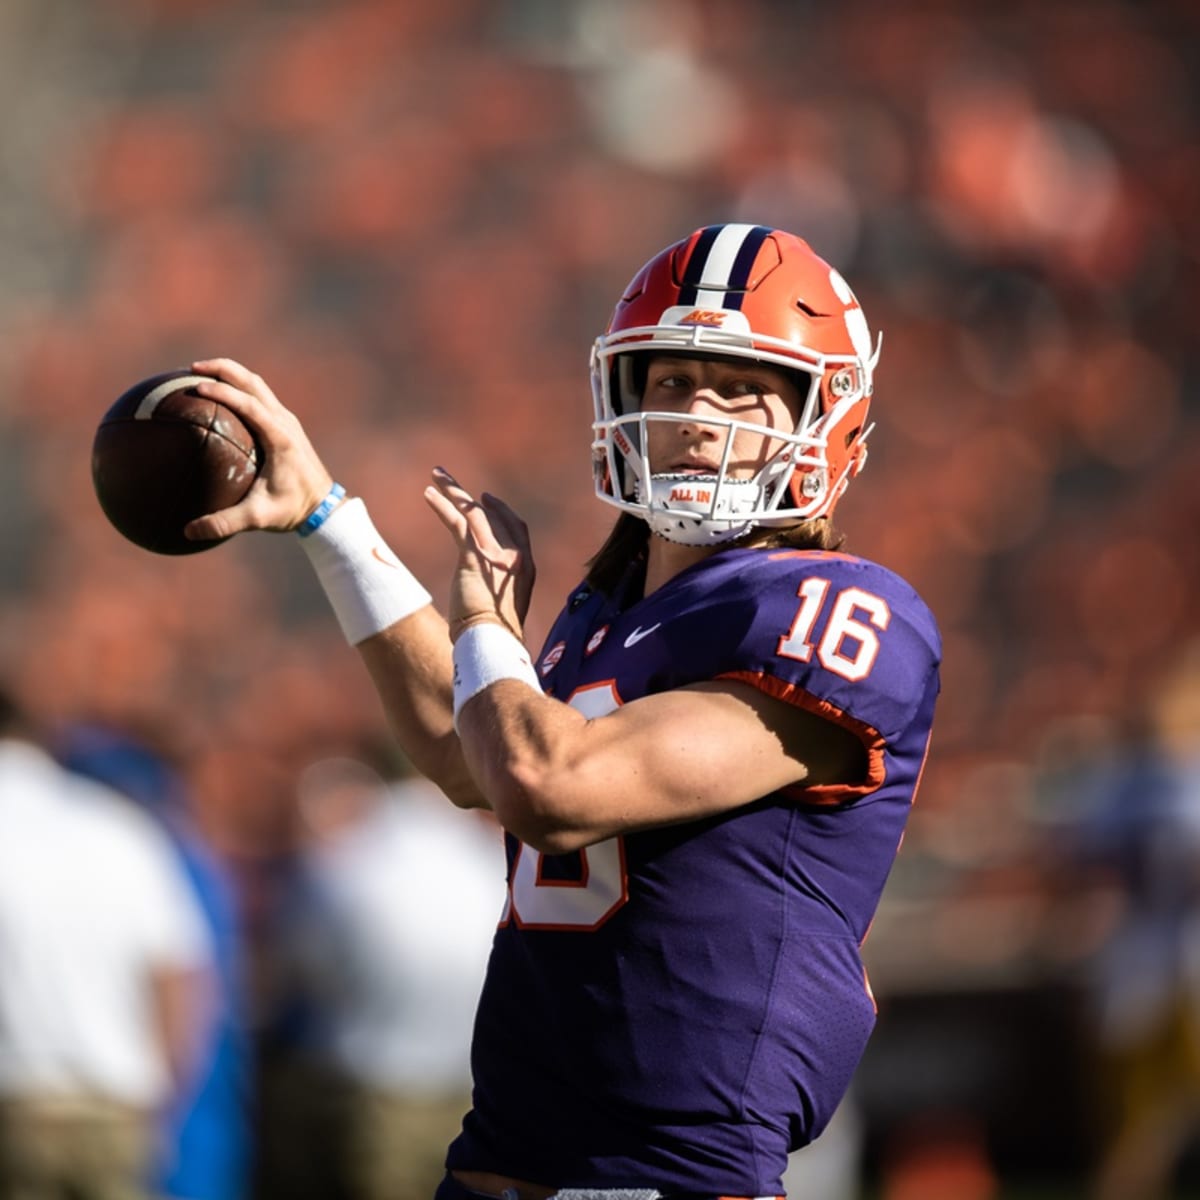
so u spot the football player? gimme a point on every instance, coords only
(703, 775)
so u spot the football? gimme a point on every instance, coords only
(164, 455)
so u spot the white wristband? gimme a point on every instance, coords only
(485, 653)
(369, 588)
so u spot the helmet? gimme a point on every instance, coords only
(747, 292)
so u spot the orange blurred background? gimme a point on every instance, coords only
(413, 218)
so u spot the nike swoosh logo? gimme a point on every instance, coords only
(387, 560)
(639, 633)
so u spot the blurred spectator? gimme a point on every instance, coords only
(1136, 804)
(382, 945)
(104, 979)
(206, 1136)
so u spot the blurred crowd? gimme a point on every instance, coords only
(413, 218)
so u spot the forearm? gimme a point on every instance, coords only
(386, 613)
(516, 745)
(519, 745)
(410, 665)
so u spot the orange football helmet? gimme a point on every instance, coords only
(736, 291)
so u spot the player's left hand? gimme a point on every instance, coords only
(493, 580)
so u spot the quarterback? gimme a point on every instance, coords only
(703, 774)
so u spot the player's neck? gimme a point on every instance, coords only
(664, 560)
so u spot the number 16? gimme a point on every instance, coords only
(849, 645)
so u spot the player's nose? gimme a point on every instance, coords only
(703, 409)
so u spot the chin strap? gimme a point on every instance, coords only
(698, 510)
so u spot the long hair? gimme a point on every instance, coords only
(630, 535)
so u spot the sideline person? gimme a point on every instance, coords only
(106, 978)
(703, 775)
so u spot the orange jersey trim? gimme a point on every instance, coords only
(821, 555)
(872, 740)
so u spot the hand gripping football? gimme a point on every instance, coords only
(164, 455)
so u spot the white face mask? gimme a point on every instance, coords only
(706, 509)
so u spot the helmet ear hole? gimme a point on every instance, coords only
(843, 383)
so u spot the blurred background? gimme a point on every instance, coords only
(413, 219)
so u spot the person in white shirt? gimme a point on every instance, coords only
(382, 944)
(105, 974)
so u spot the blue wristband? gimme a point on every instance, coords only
(320, 514)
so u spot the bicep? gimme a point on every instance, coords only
(694, 752)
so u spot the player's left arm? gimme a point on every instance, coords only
(560, 781)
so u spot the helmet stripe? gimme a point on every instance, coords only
(739, 276)
(720, 264)
(693, 271)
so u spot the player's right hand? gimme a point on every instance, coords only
(292, 480)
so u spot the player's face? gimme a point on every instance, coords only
(703, 388)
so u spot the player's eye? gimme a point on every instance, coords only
(672, 384)
(747, 387)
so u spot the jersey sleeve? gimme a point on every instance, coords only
(839, 636)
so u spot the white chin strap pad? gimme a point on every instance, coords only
(698, 510)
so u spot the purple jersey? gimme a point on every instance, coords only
(680, 1007)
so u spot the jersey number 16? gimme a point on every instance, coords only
(849, 644)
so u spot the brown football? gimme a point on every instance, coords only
(164, 455)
